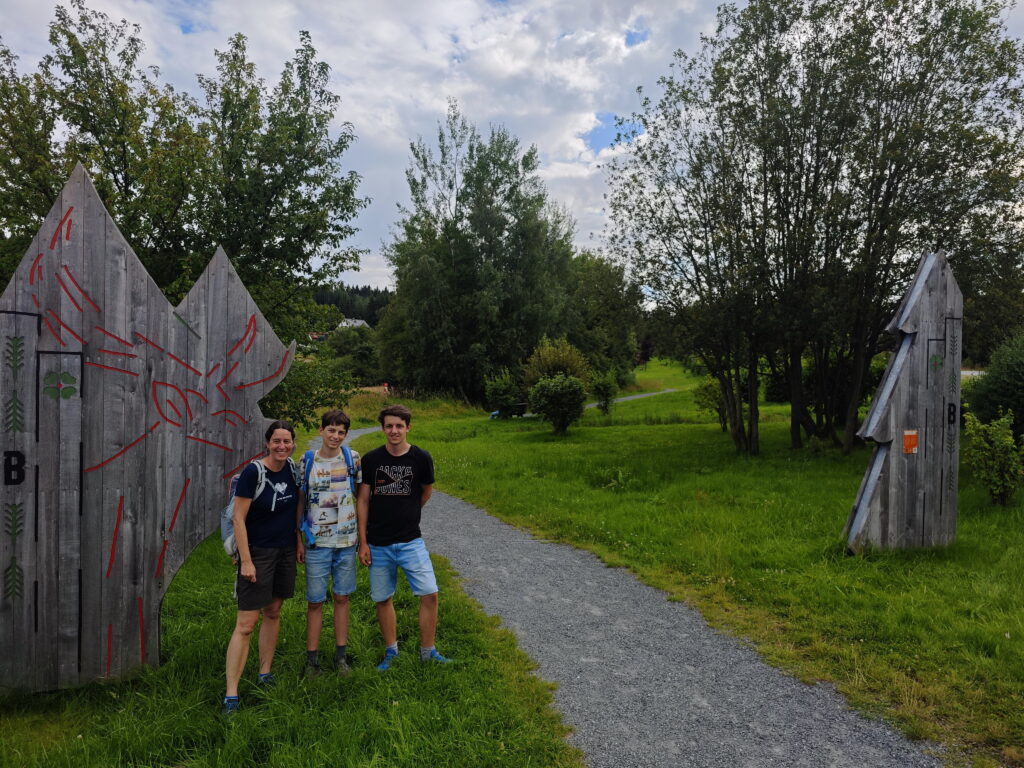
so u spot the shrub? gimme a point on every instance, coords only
(992, 454)
(559, 399)
(503, 392)
(551, 358)
(1001, 389)
(708, 398)
(605, 387)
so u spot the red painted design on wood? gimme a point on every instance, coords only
(226, 377)
(275, 374)
(120, 453)
(67, 293)
(82, 290)
(105, 332)
(160, 560)
(118, 354)
(182, 362)
(67, 230)
(207, 442)
(113, 541)
(158, 397)
(35, 272)
(174, 408)
(142, 634)
(210, 372)
(155, 425)
(53, 332)
(177, 508)
(200, 395)
(110, 368)
(65, 326)
(250, 328)
(151, 343)
(233, 413)
(235, 469)
(36, 301)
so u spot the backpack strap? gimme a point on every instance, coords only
(351, 465)
(307, 466)
(261, 478)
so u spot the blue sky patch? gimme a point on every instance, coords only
(637, 36)
(601, 136)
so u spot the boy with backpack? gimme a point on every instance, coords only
(329, 535)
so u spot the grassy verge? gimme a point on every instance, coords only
(933, 639)
(486, 711)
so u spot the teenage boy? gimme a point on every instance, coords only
(398, 481)
(328, 537)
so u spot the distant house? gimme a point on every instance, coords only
(346, 323)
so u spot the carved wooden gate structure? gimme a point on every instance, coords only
(122, 417)
(908, 496)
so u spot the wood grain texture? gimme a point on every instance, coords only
(914, 501)
(125, 475)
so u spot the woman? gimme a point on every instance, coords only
(268, 509)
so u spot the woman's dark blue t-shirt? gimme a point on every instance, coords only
(271, 518)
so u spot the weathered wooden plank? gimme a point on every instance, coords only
(916, 412)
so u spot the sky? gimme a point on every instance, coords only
(555, 73)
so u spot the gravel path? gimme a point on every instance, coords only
(644, 682)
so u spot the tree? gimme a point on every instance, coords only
(559, 399)
(778, 194)
(257, 172)
(355, 350)
(604, 315)
(481, 262)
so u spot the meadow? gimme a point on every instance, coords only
(930, 639)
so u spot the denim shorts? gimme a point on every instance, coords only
(414, 560)
(337, 562)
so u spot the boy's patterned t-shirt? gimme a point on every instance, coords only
(330, 505)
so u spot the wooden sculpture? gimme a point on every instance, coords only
(908, 495)
(122, 420)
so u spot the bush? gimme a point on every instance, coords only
(1001, 389)
(311, 385)
(551, 358)
(708, 398)
(559, 399)
(503, 393)
(992, 454)
(605, 387)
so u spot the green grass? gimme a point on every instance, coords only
(485, 710)
(933, 639)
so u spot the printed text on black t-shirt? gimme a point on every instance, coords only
(393, 481)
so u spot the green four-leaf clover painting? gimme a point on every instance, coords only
(59, 385)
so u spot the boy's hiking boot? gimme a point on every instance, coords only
(266, 680)
(343, 668)
(230, 706)
(433, 657)
(389, 656)
(311, 670)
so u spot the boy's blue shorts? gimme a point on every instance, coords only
(412, 557)
(337, 562)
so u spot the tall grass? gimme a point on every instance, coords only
(933, 639)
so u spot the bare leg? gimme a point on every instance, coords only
(340, 620)
(269, 628)
(238, 649)
(428, 620)
(314, 621)
(388, 622)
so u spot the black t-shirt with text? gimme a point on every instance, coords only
(396, 483)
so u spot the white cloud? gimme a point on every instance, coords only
(542, 68)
